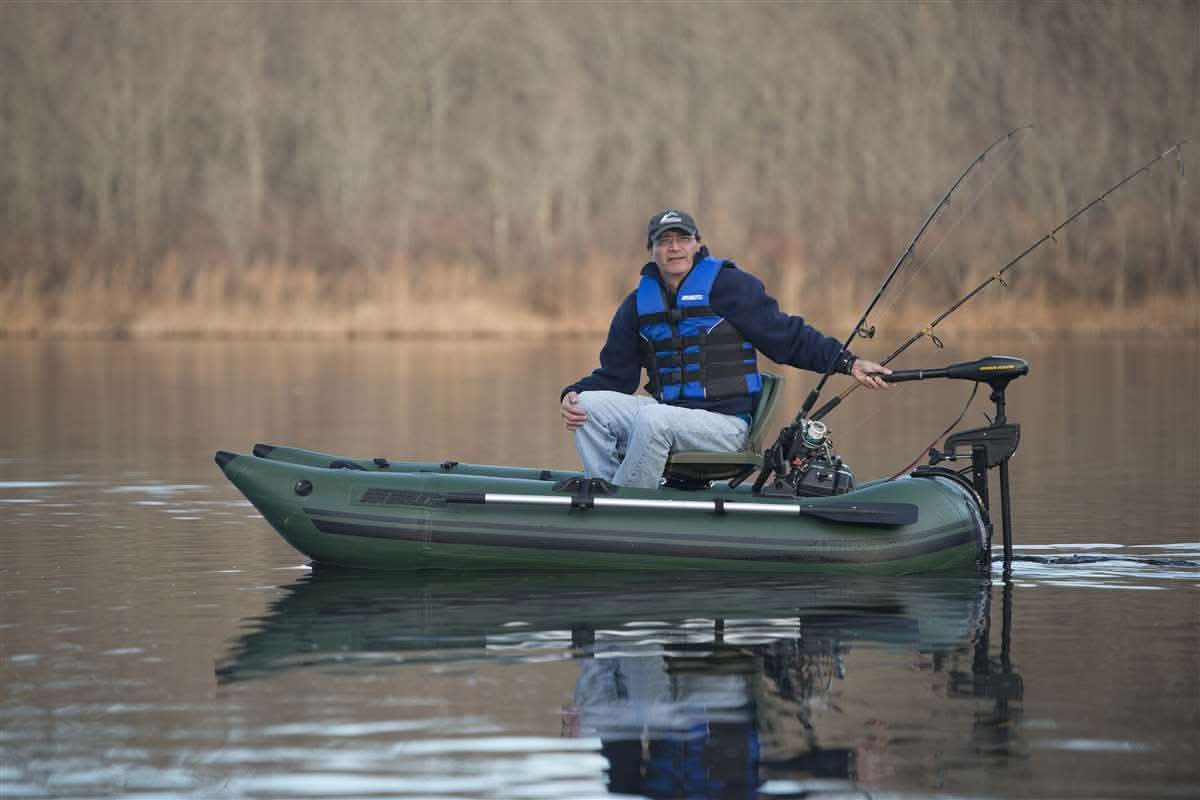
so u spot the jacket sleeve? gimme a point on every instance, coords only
(742, 299)
(620, 358)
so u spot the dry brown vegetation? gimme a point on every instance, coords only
(369, 168)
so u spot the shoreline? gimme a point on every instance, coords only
(1155, 317)
(456, 301)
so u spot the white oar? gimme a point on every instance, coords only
(888, 514)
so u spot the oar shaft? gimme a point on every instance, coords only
(716, 505)
(861, 513)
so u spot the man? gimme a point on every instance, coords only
(695, 324)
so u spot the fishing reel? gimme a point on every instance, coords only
(805, 464)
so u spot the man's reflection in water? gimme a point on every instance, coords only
(672, 726)
(714, 720)
(688, 724)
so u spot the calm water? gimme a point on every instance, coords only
(157, 639)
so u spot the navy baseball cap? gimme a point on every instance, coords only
(670, 219)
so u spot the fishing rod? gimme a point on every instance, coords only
(998, 276)
(775, 457)
(860, 329)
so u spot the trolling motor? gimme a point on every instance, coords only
(803, 463)
(986, 447)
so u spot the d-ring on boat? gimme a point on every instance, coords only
(379, 514)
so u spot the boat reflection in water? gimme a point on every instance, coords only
(696, 686)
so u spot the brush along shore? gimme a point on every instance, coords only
(268, 300)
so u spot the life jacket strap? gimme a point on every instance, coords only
(675, 314)
(676, 357)
(707, 374)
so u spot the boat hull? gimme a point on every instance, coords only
(402, 517)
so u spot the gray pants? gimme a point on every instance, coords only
(645, 432)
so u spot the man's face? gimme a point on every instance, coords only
(674, 251)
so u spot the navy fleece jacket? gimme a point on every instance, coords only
(741, 299)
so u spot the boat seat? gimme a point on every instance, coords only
(695, 469)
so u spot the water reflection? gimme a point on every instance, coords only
(993, 678)
(699, 688)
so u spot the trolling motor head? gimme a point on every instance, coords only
(995, 371)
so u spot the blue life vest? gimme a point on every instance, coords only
(691, 353)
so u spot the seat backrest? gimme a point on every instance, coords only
(772, 387)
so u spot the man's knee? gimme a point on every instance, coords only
(596, 401)
(595, 409)
(609, 408)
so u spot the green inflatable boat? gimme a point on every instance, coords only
(407, 516)
(378, 514)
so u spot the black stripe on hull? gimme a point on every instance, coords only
(574, 540)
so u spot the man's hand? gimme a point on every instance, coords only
(572, 413)
(867, 373)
